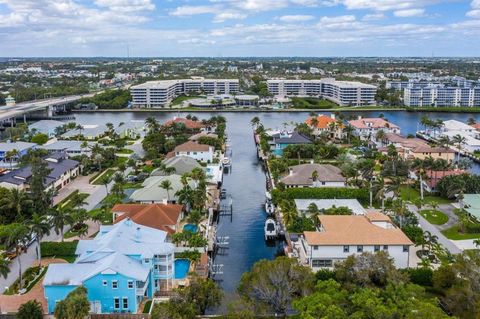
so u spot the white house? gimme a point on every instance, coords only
(340, 236)
(352, 204)
(367, 128)
(200, 152)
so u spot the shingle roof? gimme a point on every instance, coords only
(372, 123)
(354, 230)
(19, 146)
(192, 147)
(302, 174)
(182, 165)
(294, 138)
(158, 216)
(152, 191)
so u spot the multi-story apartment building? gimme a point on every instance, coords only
(345, 93)
(442, 96)
(160, 93)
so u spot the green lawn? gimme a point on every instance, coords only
(455, 234)
(434, 216)
(108, 172)
(410, 194)
(125, 151)
(180, 99)
(146, 308)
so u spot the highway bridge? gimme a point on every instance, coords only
(48, 106)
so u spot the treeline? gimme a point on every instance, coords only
(110, 99)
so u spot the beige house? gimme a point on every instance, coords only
(314, 175)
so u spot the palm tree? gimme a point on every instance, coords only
(378, 188)
(471, 121)
(380, 136)
(10, 155)
(152, 124)
(254, 122)
(313, 212)
(105, 180)
(395, 185)
(459, 140)
(426, 122)
(60, 218)
(167, 185)
(15, 200)
(17, 235)
(288, 211)
(420, 166)
(39, 228)
(4, 266)
(314, 176)
(79, 128)
(185, 196)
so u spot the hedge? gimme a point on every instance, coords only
(472, 228)
(420, 276)
(361, 194)
(51, 248)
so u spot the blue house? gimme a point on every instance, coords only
(124, 264)
(284, 139)
(47, 127)
(21, 149)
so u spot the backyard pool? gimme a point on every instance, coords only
(190, 227)
(182, 267)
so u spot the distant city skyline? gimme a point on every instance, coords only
(216, 28)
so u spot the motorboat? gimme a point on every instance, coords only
(268, 195)
(226, 162)
(269, 207)
(223, 193)
(270, 229)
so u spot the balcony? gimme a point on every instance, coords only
(141, 288)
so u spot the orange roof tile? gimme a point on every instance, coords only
(188, 123)
(159, 216)
(322, 121)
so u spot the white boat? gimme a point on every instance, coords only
(270, 229)
(226, 161)
(269, 207)
(268, 195)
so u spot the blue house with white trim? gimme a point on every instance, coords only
(121, 266)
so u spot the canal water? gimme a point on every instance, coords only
(246, 181)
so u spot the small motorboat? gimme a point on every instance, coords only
(226, 162)
(270, 229)
(223, 193)
(269, 207)
(268, 195)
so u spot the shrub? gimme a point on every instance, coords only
(325, 274)
(414, 233)
(50, 248)
(472, 228)
(420, 276)
(361, 194)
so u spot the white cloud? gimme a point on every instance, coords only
(373, 17)
(387, 5)
(296, 18)
(193, 10)
(126, 5)
(475, 12)
(223, 16)
(409, 13)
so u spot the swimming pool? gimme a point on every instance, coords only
(182, 267)
(191, 227)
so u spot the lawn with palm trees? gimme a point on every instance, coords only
(410, 194)
(434, 217)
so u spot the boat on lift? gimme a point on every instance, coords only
(270, 229)
(269, 207)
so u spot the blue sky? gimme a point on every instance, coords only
(240, 27)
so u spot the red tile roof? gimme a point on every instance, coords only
(433, 177)
(372, 123)
(158, 216)
(322, 121)
(188, 123)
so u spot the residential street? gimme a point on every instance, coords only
(444, 241)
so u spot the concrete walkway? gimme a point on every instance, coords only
(426, 226)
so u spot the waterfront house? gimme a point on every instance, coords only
(164, 217)
(199, 152)
(181, 164)
(411, 148)
(325, 124)
(124, 264)
(367, 128)
(314, 175)
(457, 126)
(47, 127)
(152, 193)
(88, 132)
(284, 139)
(189, 124)
(62, 171)
(452, 128)
(322, 204)
(69, 147)
(11, 152)
(432, 178)
(339, 236)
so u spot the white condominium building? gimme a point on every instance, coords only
(345, 93)
(161, 93)
(442, 96)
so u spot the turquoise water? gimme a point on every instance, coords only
(181, 268)
(191, 227)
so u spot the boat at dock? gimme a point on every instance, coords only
(270, 229)
(269, 207)
(226, 162)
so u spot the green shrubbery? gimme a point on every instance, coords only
(50, 248)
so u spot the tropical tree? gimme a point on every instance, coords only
(39, 227)
(105, 179)
(167, 186)
(289, 212)
(4, 266)
(459, 140)
(185, 196)
(59, 218)
(379, 190)
(10, 155)
(32, 309)
(254, 122)
(16, 200)
(15, 236)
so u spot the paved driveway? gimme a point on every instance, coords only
(426, 226)
(452, 217)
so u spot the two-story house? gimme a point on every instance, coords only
(124, 264)
(367, 128)
(340, 236)
(200, 152)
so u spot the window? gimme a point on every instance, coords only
(376, 248)
(114, 284)
(385, 247)
(315, 247)
(346, 249)
(322, 263)
(104, 282)
(116, 303)
(405, 248)
(360, 249)
(125, 303)
(130, 284)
